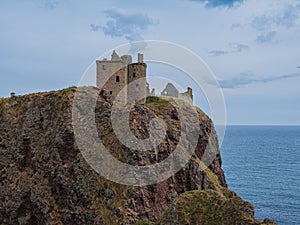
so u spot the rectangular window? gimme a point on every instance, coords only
(110, 92)
(134, 75)
(104, 67)
(117, 79)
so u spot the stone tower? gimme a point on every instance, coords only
(137, 74)
(115, 74)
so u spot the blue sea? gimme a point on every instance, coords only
(262, 165)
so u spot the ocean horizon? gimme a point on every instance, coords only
(261, 164)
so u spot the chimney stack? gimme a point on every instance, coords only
(190, 92)
(140, 58)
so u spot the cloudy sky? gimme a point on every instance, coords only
(252, 46)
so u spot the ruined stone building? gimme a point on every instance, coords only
(119, 73)
(171, 91)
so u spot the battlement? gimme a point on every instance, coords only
(115, 58)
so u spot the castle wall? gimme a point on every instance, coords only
(185, 97)
(113, 75)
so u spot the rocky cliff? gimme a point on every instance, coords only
(44, 178)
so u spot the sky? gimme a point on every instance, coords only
(252, 47)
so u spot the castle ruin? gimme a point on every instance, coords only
(171, 91)
(118, 73)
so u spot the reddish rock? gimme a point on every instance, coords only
(44, 178)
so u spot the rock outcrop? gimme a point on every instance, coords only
(44, 178)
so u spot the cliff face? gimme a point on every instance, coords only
(44, 178)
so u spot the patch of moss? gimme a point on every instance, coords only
(155, 99)
(210, 207)
(207, 208)
(152, 99)
(160, 106)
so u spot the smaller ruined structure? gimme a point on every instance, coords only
(171, 91)
(148, 92)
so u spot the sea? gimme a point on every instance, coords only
(262, 165)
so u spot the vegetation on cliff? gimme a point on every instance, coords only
(44, 178)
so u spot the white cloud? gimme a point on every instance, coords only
(270, 22)
(233, 48)
(246, 79)
(121, 23)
